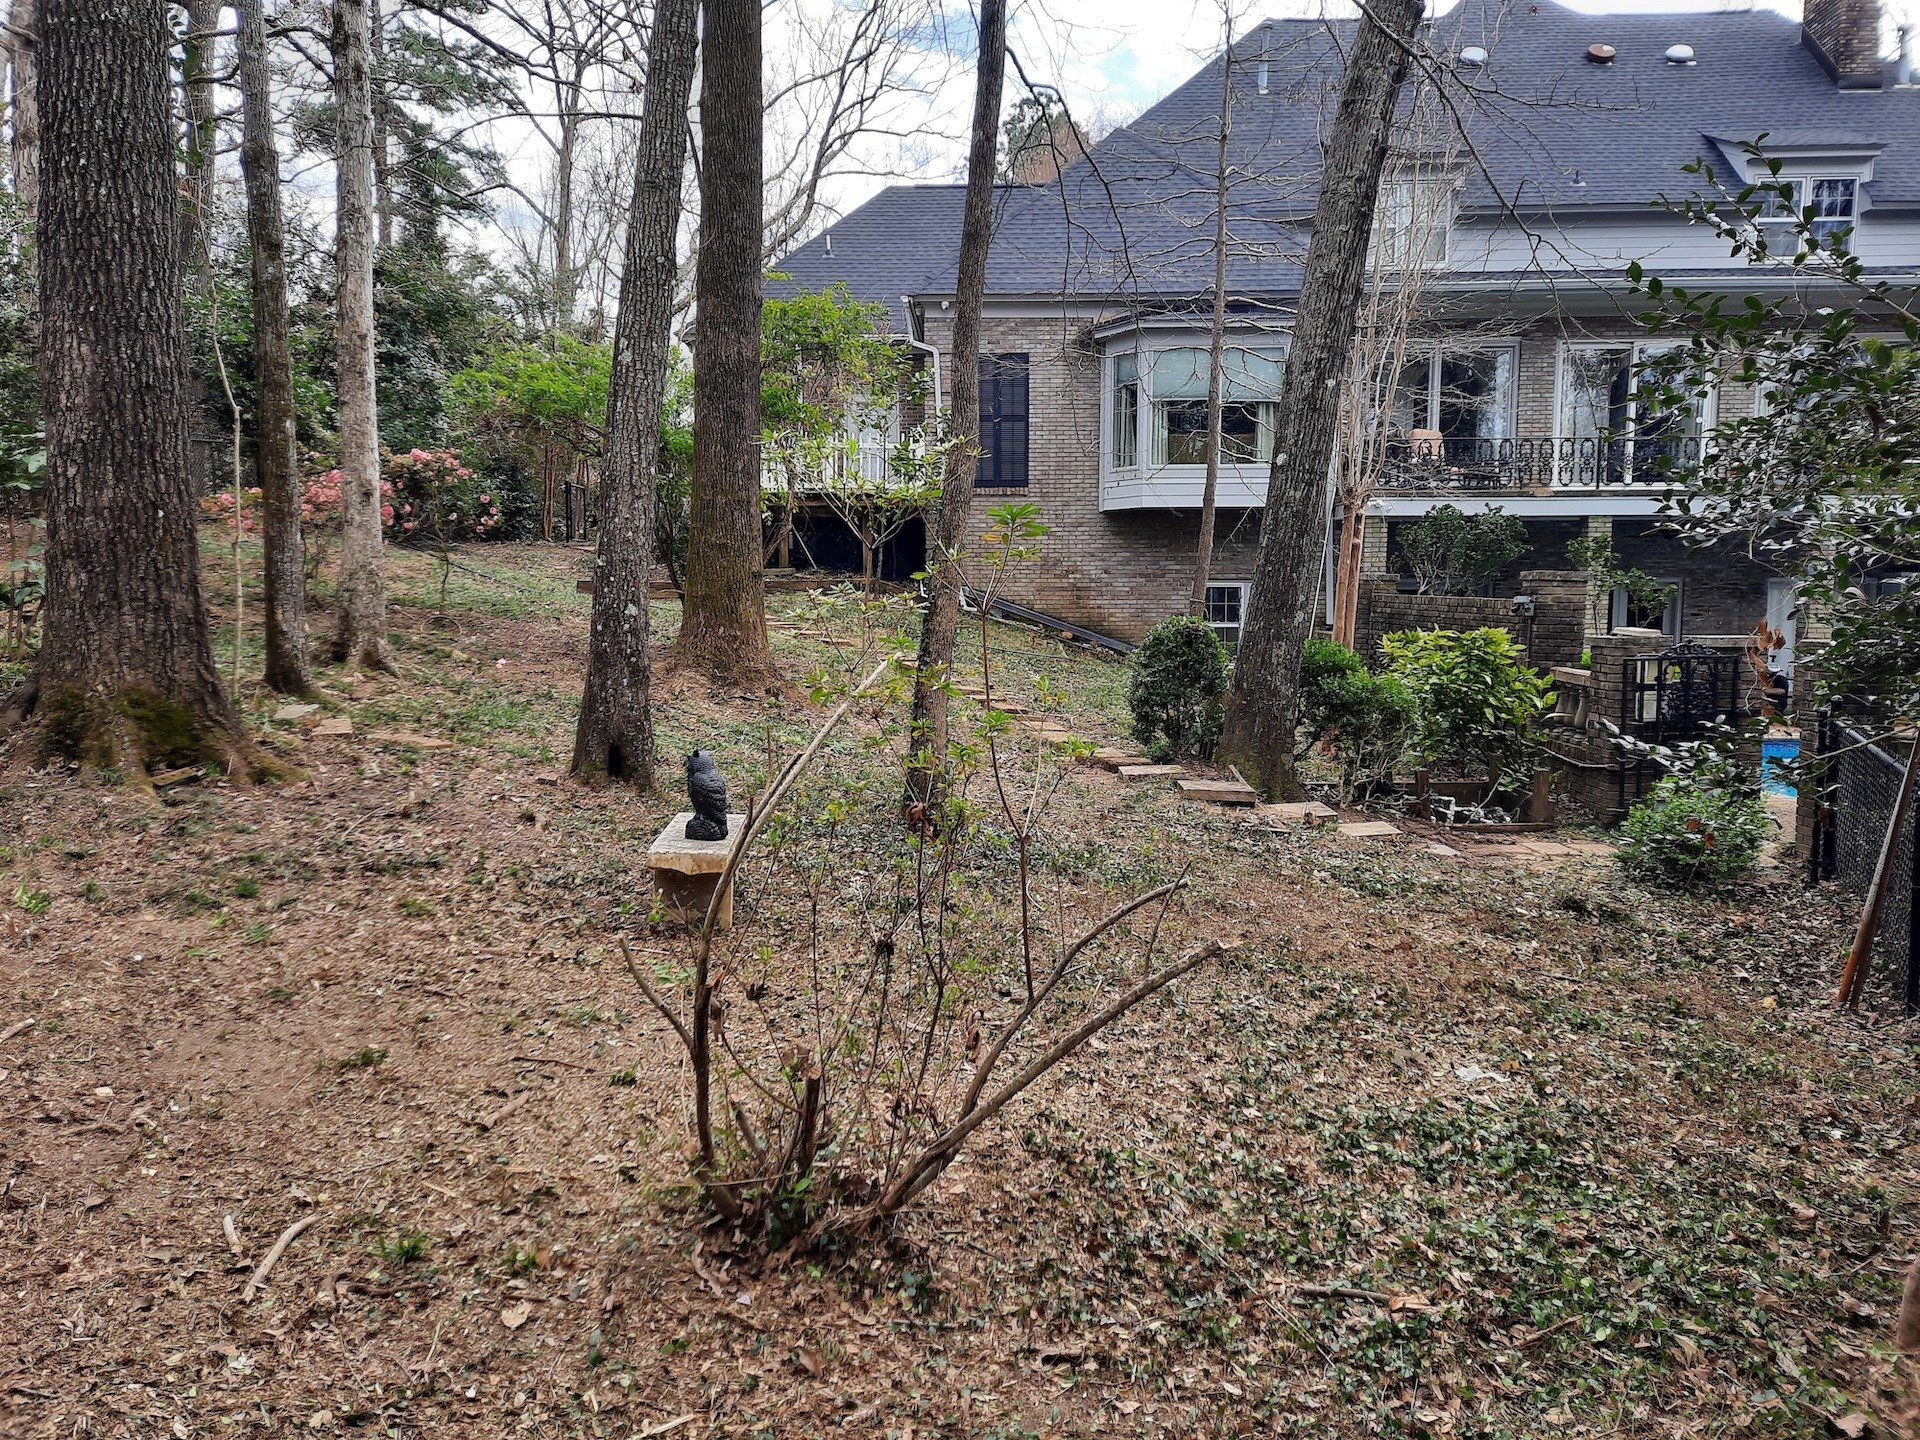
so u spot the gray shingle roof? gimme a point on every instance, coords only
(885, 249)
(1550, 131)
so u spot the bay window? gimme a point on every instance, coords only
(1126, 411)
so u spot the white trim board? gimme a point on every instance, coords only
(1404, 507)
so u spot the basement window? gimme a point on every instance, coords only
(1226, 606)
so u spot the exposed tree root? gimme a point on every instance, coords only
(122, 735)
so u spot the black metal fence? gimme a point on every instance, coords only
(1549, 462)
(1855, 782)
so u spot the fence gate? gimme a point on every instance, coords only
(1671, 697)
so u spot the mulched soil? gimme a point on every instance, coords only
(1560, 1157)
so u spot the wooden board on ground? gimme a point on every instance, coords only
(1297, 812)
(1368, 829)
(1112, 757)
(1151, 772)
(1220, 792)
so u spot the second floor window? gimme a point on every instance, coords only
(1614, 432)
(1455, 395)
(1412, 221)
(1833, 201)
(1003, 422)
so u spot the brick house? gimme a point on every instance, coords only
(1513, 375)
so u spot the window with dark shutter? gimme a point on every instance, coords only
(1003, 422)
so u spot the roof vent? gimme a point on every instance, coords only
(1680, 55)
(1475, 55)
(1601, 54)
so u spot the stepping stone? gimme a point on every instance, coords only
(1111, 757)
(1049, 732)
(1437, 847)
(335, 725)
(287, 714)
(1297, 812)
(1220, 792)
(1151, 772)
(401, 737)
(1368, 829)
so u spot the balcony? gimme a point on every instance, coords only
(1429, 465)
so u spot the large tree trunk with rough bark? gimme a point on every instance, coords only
(286, 602)
(126, 672)
(615, 736)
(927, 766)
(360, 635)
(723, 628)
(199, 139)
(23, 29)
(1261, 706)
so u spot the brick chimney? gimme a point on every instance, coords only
(1844, 36)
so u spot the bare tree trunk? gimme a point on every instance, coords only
(565, 162)
(927, 766)
(1346, 594)
(1217, 335)
(199, 52)
(615, 736)
(360, 636)
(723, 627)
(126, 671)
(22, 19)
(285, 622)
(1261, 705)
(382, 128)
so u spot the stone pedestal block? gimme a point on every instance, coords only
(687, 871)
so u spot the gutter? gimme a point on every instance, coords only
(926, 346)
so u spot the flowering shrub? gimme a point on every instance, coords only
(219, 508)
(433, 497)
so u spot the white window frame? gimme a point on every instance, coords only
(1431, 351)
(1781, 220)
(1399, 195)
(1277, 343)
(1638, 351)
(1228, 632)
(1670, 618)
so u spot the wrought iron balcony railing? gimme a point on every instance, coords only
(1560, 462)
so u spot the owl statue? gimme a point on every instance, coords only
(707, 788)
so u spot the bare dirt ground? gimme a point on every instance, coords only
(1451, 1146)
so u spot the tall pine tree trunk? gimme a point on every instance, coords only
(1261, 706)
(723, 627)
(126, 672)
(286, 604)
(615, 737)
(360, 635)
(928, 765)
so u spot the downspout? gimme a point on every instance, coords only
(933, 355)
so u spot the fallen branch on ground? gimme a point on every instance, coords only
(265, 1268)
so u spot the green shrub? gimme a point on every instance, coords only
(1178, 690)
(1481, 705)
(1684, 836)
(1453, 553)
(1367, 720)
